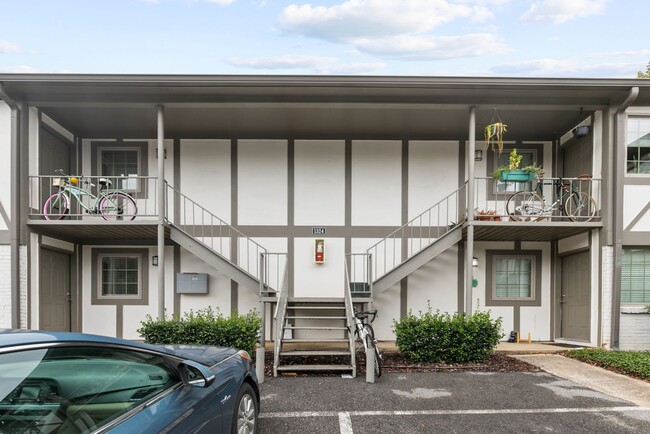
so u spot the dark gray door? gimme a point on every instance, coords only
(55, 291)
(576, 297)
(578, 157)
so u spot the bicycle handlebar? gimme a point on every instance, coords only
(366, 314)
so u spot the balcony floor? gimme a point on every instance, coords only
(98, 231)
(528, 231)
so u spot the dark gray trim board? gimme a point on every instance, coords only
(291, 210)
(234, 218)
(637, 180)
(636, 238)
(637, 218)
(405, 218)
(177, 249)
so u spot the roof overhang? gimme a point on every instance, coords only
(315, 106)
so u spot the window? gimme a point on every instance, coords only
(635, 276)
(76, 389)
(638, 145)
(120, 275)
(513, 278)
(120, 158)
(529, 156)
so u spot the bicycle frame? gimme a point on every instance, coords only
(560, 192)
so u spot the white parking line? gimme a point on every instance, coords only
(345, 423)
(348, 414)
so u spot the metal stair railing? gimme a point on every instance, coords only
(419, 233)
(273, 273)
(359, 269)
(212, 232)
(349, 313)
(280, 317)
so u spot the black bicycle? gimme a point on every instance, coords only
(365, 335)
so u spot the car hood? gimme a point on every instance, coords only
(203, 354)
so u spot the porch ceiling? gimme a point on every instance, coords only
(314, 107)
(528, 231)
(143, 232)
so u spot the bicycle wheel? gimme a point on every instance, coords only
(56, 207)
(117, 206)
(525, 206)
(580, 206)
(377, 361)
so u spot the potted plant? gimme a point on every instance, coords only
(494, 136)
(513, 171)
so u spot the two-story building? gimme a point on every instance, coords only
(242, 192)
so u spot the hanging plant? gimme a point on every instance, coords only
(494, 136)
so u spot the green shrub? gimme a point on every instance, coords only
(441, 337)
(205, 327)
(636, 363)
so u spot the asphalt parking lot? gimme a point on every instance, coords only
(458, 402)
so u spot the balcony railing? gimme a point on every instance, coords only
(491, 199)
(84, 197)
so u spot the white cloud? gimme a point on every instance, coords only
(375, 18)
(8, 47)
(22, 69)
(412, 47)
(221, 2)
(397, 29)
(567, 68)
(561, 11)
(321, 65)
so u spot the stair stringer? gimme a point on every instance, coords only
(416, 261)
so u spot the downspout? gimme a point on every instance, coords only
(618, 204)
(15, 209)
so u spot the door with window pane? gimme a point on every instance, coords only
(575, 298)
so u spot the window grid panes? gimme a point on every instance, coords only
(635, 276)
(119, 162)
(638, 145)
(528, 158)
(120, 276)
(513, 278)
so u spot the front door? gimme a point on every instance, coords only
(55, 291)
(576, 297)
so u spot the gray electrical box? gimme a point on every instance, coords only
(191, 283)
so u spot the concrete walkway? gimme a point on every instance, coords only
(602, 380)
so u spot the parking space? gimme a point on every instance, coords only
(443, 402)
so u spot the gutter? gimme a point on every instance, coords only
(617, 204)
(14, 224)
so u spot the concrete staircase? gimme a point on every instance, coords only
(314, 329)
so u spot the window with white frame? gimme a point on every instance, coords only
(638, 145)
(529, 156)
(115, 162)
(635, 276)
(120, 275)
(513, 277)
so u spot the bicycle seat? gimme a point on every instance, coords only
(105, 182)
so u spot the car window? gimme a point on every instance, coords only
(71, 390)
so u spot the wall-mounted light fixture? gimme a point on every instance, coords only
(581, 131)
(475, 262)
(478, 155)
(154, 261)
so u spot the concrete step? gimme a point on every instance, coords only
(304, 340)
(292, 368)
(316, 317)
(315, 353)
(313, 328)
(316, 300)
(317, 307)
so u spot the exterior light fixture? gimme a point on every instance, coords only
(475, 262)
(154, 261)
(581, 131)
(478, 155)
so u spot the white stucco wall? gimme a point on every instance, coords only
(262, 182)
(319, 280)
(376, 182)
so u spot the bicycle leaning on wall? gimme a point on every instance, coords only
(366, 335)
(571, 201)
(110, 203)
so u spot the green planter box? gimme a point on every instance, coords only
(516, 176)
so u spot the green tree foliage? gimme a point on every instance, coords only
(645, 74)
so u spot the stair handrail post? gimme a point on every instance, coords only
(261, 351)
(280, 313)
(349, 309)
(369, 277)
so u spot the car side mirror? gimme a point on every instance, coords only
(195, 374)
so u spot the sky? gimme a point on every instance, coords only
(513, 38)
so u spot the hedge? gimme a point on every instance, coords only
(205, 327)
(441, 337)
(635, 363)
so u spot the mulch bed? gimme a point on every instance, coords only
(395, 362)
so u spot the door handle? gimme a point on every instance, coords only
(563, 298)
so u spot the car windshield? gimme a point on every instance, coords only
(76, 389)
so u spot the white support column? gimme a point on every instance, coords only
(161, 212)
(469, 250)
